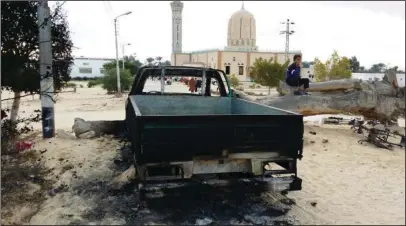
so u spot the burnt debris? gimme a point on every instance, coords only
(377, 134)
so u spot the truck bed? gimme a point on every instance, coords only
(181, 128)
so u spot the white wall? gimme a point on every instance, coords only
(378, 76)
(94, 63)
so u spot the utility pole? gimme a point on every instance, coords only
(287, 32)
(128, 44)
(117, 63)
(47, 81)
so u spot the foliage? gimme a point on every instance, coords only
(93, 83)
(131, 66)
(268, 72)
(234, 82)
(70, 85)
(20, 47)
(166, 63)
(354, 64)
(84, 78)
(109, 80)
(377, 68)
(150, 60)
(335, 68)
(10, 132)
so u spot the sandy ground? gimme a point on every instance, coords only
(343, 182)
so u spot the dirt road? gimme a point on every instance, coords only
(343, 182)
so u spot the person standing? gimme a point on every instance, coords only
(192, 85)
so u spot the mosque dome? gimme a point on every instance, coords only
(241, 33)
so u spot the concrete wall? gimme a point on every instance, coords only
(235, 60)
(92, 66)
(179, 59)
(378, 76)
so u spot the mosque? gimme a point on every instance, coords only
(239, 54)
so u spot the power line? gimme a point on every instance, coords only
(288, 33)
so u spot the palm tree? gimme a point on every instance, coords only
(150, 60)
(158, 58)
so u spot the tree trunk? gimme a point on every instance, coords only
(15, 106)
(269, 90)
(377, 99)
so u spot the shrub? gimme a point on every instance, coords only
(234, 82)
(252, 86)
(70, 85)
(93, 83)
(109, 80)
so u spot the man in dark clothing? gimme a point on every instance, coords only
(293, 76)
(198, 84)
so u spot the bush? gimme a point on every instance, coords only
(234, 82)
(252, 86)
(70, 85)
(93, 83)
(109, 80)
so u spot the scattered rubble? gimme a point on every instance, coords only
(377, 133)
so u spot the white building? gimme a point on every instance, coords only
(89, 67)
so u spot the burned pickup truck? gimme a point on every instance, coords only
(211, 136)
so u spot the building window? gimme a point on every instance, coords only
(85, 64)
(85, 70)
(227, 70)
(101, 70)
(233, 58)
(240, 70)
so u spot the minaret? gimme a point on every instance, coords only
(177, 7)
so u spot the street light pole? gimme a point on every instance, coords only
(128, 44)
(117, 63)
(288, 32)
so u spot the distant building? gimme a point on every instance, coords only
(89, 67)
(239, 54)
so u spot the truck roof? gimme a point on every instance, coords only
(175, 70)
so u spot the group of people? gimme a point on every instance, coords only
(194, 85)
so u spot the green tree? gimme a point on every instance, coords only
(158, 59)
(20, 49)
(355, 65)
(234, 82)
(268, 72)
(320, 70)
(131, 66)
(166, 63)
(335, 68)
(377, 68)
(150, 60)
(109, 80)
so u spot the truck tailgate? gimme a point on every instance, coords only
(230, 124)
